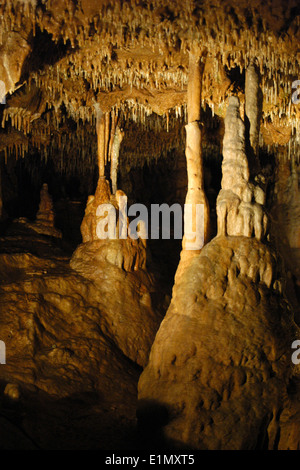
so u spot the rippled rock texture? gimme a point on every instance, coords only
(220, 366)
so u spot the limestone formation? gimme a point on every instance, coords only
(194, 102)
(124, 252)
(117, 139)
(212, 382)
(44, 222)
(197, 228)
(74, 346)
(253, 112)
(195, 191)
(13, 54)
(220, 365)
(12, 391)
(240, 204)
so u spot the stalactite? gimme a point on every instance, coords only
(100, 128)
(253, 104)
(114, 119)
(118, 137)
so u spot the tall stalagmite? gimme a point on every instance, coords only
(240, 203)
(196, 223)
(219, 368)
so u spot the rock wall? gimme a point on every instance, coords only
(285, 232)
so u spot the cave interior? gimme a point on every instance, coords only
(141, 343)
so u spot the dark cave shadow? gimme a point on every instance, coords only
(152, 417)
(81, 421)
(37, 59)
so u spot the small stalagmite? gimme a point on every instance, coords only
(126, 253)
(45, 213)
(45, 217)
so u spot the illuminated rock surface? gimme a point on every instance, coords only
(73, 345)
(164, 102)
(220, 366)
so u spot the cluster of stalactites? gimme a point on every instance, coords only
(276, 83)
(15, 13)
(20, 118)
(168, 27)
(17, 149)
(165, 32)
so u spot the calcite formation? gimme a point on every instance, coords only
(240, 204)
(125, 253)
(14, 51)
(220, 365)
(117, 139)
(252, 105)
(148, 97)
(73, 345)
(195, 191)
(44, 222)
(197, 225)
(219, 369)
(144, 69)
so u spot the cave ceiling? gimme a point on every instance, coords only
(62, 60)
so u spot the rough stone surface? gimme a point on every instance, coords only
(74, 347)
(220, 366)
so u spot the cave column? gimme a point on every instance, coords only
(195, 193)
(100, 127)
(102, 193)
(253, 111)
(197, 222)
(116, 138)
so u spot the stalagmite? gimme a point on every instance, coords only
(196, 232)
(44, 222)
(240, 204)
